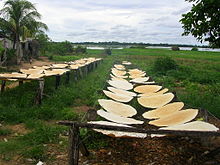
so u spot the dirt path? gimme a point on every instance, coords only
(40, 62)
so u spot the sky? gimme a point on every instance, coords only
(148, 21)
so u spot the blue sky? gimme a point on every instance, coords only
(149, 21)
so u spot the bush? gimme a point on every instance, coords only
(108, 51)
(80, 50)
(11, 56)
(138, 47)
(194, 49)
(164, 64)
(175, 48)
(60, 48)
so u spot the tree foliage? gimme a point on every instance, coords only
(203, 21)
(43, 41)
(19, 21)
(60, 48)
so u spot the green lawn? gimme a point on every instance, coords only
(196, 82)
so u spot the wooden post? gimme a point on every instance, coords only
(68, 77)
(75, 75)
(3, 86)
(21, 82)
(94, 64)
(86, 70)
(78, 73)
(81, 72)
(40, 91)
(91, 67)
(73, 145)
(57, 81)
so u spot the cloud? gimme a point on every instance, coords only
(124, 21)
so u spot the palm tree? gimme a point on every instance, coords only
(19, 21)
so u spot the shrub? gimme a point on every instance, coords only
(80, 50)
(138, 47)
(108, 51)
(164, 64)
(11, 57)
(194, 49)
(175, 48)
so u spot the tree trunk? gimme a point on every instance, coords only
(14, 42)
(18, 52)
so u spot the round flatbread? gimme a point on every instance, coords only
(155, 101)
(117, 119)
(126, 63)
(151, 94)
(118, 97)
(119, 67)
(193, 126)
(14, 75)
(73, 66)
(118, 72)
(121, 91)
(117, 78)
(32, 71)
(55, 72)
(59, 65)
(117, 108)
(117, 133)
(176, 118)
(147, 88)
(35, 76)
(140, 80)
(164, 111)
(137, 76)
(135, 71)
(121, 84)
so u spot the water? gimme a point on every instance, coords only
(159, 47)
(186, 48)
(100, 48)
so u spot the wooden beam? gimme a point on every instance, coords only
(140, 130)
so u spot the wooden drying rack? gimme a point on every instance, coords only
(76, 144)
(77, 74)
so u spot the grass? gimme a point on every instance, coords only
(5, 131)
(196, 81)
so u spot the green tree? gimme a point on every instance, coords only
(19, 20)
(43, 40)
(203, 21)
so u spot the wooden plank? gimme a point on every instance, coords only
(140, 130)
(3, 86)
